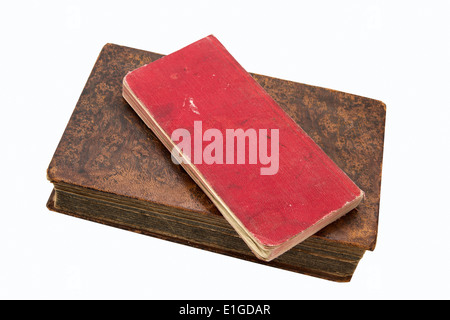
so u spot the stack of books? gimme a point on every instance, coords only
(114, 168)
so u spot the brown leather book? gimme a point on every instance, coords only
(110, 168)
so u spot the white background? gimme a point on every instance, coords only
(394, 51)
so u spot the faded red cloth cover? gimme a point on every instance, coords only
(203, 87)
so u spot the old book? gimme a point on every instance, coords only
(219, 123)
(110, 168)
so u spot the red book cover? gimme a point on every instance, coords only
(268, 178)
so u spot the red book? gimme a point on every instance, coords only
(268, 178)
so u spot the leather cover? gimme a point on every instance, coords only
(107, 148)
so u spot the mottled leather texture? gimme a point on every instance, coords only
(107, 147)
